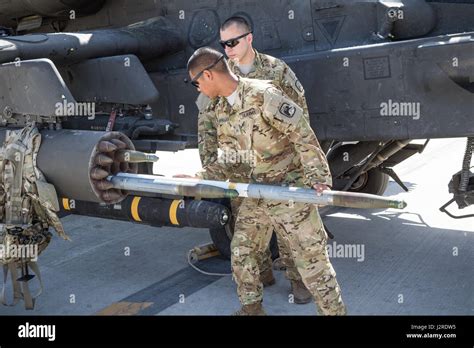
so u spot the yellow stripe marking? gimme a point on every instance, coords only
(173, 211)
(134, 208)
(66, 204)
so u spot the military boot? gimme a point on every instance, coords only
(251, 309)
(300, 293)
(267, 278)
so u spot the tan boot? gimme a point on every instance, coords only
(251, 309)
(267, 278)
(300, 293)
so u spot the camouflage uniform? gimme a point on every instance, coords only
(265, 68)
(270, 68)
(265, 121)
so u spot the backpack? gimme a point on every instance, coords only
(28, 206)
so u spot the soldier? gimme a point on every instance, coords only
(244, 60)
(236, 39)
(254, 116)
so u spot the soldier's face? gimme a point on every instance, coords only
(205, 83)
(242, 48)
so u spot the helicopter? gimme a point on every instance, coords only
(377, 74)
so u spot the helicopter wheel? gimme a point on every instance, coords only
(374, 182)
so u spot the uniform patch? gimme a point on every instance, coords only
(281, 107)
(287, 110)
(248, 113)
(299, 86)
(293, 81)
(202, 102)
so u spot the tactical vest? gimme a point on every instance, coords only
(28, 206)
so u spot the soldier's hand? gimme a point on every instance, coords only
(320, 188)
(184, 176)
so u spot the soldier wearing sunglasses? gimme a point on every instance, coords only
(244, 60)
(250, 115)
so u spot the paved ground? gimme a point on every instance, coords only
(415, 261)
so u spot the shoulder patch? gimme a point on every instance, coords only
(202, 102)
(282, 107)
(291, 80)
(287, 110)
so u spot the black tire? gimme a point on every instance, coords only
(374, 182)
(221, 239)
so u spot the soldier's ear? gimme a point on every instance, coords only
(208, 75)
(249, 38)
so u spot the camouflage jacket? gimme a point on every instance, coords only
(270, 68)
(264, 137)
(266, 68)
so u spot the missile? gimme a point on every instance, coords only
(131, 156)
(153, 211)
(188, 190)
(156, 184)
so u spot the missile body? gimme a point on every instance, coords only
(155, 184)
(153, 211)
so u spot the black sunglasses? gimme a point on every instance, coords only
(198, 76)
(233, 42)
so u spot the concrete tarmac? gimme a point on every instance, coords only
(415, 261)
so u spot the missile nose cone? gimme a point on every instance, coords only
(364, 200)
(104, 185)
(106, 146)
(119, 143)
(103, 160)
(111, 195)
(152, 158)
(135, 156)
(400, 204)
(98, 173)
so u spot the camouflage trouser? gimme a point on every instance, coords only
(264, 260)
(303, 231)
